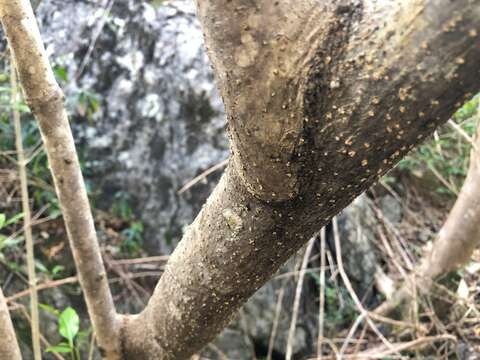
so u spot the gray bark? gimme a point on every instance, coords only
(321, 100)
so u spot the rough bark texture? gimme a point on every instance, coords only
(455, 243)
(46, 101)
(321, 100)
(8, 341)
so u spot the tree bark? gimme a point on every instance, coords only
(46, 101)
(455, 242)
(8, 341)
(322, 98)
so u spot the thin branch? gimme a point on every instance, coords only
(27, 218)
(444, 181)
(462, 133)
(74, 279)
(202, 176)
(296, 302)
(96, 35)
(137, 261)
(47, 285)
(91, 349)
(276, 320)
(321, 306)
(380, 353)
(350, 334)
(409, 345)
(348, 285)
(46, 100)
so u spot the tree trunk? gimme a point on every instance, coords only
(322, 98)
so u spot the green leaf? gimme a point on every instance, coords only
(157, 3)
(9, 241)
(40, 267)
(61, 72)
(14, 220)
(50, 309)
(57, 269)
(94, 104)
(3, 220)
(59, 348)
(22, 107)
(69, 324)
(54, 213)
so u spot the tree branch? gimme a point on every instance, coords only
(27, 219)
(8, 341)
(45, 99)
(322, 99)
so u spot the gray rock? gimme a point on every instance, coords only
(358, 252)
(232, 344)
(161, 121)
(391, 208)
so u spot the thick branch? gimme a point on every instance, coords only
(8, 341)
(260, 52)
(322, 98)
(45, 99)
